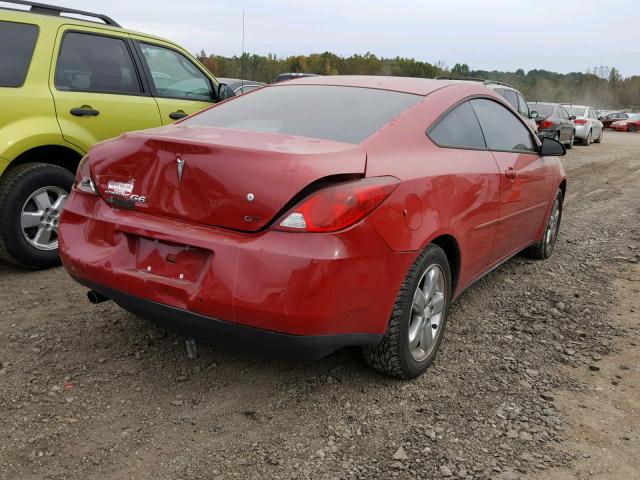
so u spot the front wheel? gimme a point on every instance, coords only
(32, 197)
(544, 248)
(418, 319)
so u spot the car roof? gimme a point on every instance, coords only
(416, 86)
(545, 103)
(54, 21)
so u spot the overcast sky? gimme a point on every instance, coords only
(560, 35)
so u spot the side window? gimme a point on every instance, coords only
(93, 63)
(174, 76)
(503, 131)
(17, 41)
(511, 97)
(563, 113)
(523, 108)
(458, 128)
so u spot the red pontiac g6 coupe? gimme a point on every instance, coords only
(315, 214)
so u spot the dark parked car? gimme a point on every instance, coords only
(283, 77)
(238, 86)
(554, 122)
(607, 120)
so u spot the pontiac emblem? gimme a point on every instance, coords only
(180, 163)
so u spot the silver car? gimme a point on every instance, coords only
(588, 127)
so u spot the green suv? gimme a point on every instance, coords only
(66, 84)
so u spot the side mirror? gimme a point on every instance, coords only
(552, 148)
(533, 114)
(572, 117)
(223, 92)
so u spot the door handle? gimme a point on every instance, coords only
(84, 112)
(177, 115)
(511, 173)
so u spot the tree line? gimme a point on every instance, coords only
(600, 87)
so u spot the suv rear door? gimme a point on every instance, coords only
(180, 86)
(97, 86)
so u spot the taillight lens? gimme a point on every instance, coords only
(84, 181)
(338, 207)
(580, 121)
(546, 123)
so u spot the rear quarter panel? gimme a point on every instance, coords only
(458, 191)
(28, 117)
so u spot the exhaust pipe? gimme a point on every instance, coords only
(95, 297)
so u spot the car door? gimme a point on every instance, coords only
(524, 186)
(178, 84)
(97, 88)
(596, 125)
(565, 124)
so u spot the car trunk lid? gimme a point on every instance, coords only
(221, 177)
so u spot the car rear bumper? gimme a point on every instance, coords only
(294, 284)
(582, 131)
(233, 336)
(547, 133)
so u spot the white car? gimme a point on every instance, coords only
(588, 127)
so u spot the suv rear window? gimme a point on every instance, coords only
(17, 41)
(342, 114)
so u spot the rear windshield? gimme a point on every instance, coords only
(543, 109)
(576, 111)
(17, 41)
(343, 114)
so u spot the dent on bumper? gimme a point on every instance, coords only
(291, 283)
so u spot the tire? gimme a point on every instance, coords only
(569, 145)
(22, 189)
(587, 141)
(394, 355)
(599, 139)
(544, 248)
(632, 129)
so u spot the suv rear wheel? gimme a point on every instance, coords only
(31, 200)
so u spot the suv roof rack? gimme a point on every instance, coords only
(473, 79)
(56, 11)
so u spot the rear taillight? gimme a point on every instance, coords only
(84, 181)
(338, 207)
(580, 121)
(546, 124)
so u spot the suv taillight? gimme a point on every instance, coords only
(338, 207)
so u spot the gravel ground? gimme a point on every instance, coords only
(94, 392)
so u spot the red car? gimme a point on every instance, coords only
(315, 214)
(631, 124)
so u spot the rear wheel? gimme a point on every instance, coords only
(544, 248)
(418, 320)
(587, 141)
(632, 128)
(32, 197)
(571, 140)
(599, 139)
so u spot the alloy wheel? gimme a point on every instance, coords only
(552, 225)
(427, 311)
(40, 217)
